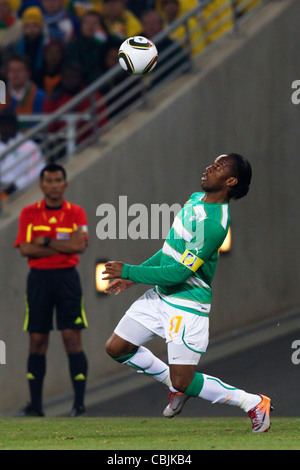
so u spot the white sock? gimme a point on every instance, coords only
(216, 391)
(145, 362)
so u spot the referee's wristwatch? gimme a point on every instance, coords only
(47, 241)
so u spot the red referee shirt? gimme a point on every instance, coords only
(36, 220)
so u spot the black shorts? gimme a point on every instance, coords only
(54, 289)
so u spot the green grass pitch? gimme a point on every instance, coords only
(146, 434)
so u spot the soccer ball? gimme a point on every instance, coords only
(138, 55)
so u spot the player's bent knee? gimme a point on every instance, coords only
(113, 348)
(108, 348)
(117, 347)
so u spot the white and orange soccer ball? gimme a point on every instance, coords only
(138, 55)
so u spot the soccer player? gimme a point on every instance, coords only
(177, 309)
(52, 232)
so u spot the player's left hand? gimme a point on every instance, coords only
(113, 269)
(118, 286)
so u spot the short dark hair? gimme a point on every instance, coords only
(16, 57)
(93, 13)
(52, 168)
(243, 172)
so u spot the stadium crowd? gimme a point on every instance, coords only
(37, 37)
(51, 49)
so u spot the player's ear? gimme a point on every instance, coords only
(232, 181)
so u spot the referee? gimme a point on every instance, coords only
(52, 232)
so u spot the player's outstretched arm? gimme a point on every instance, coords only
(166, 275)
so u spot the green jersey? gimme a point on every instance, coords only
(183, 269)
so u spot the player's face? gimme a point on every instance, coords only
(217, 175)
(53, 186)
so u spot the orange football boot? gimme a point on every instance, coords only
(260, 415)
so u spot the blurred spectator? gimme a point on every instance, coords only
(50, 74)
(79, 7)
(172, 10)
(71, 84)
(110, 53)
(27, 4)
(140, 6)
(119, 21)
(33, 40)
(22, 166)
(23, 96)
(152, 24)
(167, 48)
(217, 17)
(184, 7)
(10, 24)
(86, 48)
(60, 25)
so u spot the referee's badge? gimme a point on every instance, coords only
(62, 236)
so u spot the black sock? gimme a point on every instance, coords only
(36, 370)
(78, 370)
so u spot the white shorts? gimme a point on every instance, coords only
(186, 334)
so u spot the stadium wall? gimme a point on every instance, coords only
(238, 100)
